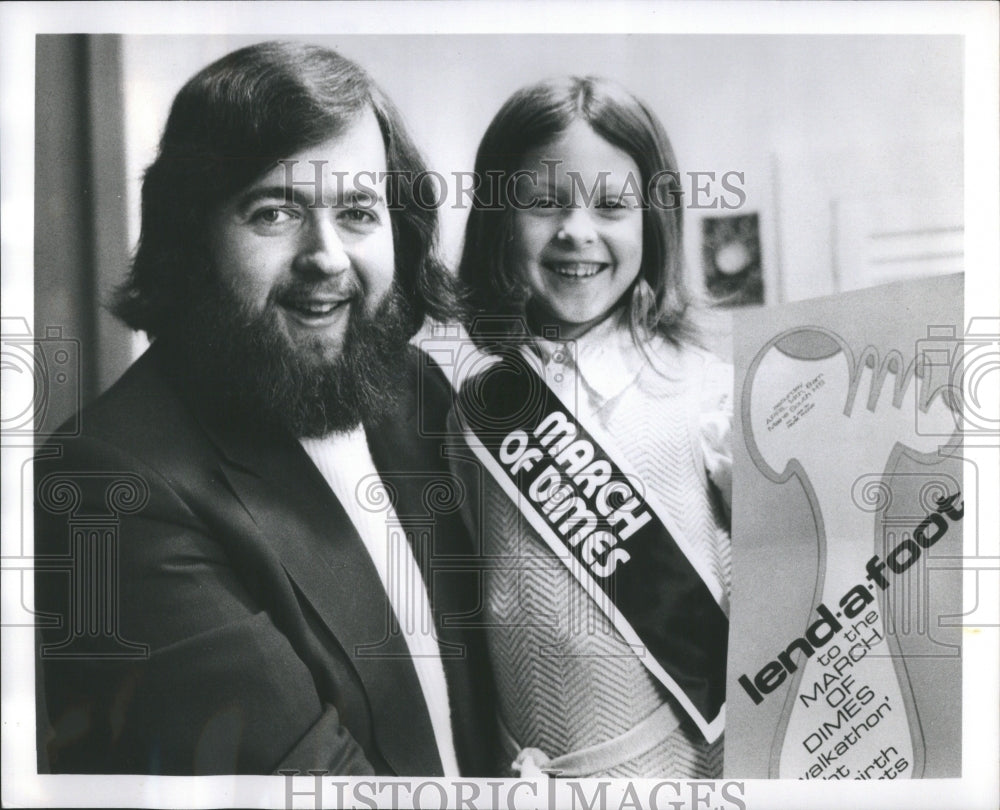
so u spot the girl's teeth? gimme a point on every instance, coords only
(577, 269)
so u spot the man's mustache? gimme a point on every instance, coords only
(341, 288)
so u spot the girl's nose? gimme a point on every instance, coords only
(577, 227)
(322, 251)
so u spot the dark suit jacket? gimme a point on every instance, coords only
(211, 608)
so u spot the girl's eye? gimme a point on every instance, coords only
(359, 216)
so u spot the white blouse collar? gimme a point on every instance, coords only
(605, 358)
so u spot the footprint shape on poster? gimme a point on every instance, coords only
(843, 711)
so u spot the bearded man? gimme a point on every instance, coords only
(264, 590)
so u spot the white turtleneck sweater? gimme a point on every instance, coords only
(346, 464)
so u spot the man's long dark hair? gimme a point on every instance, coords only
(228, 125)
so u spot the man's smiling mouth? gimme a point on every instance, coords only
(314, 311)
(576, 269)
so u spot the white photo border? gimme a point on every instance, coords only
(21, 22)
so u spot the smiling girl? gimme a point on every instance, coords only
(603, 429)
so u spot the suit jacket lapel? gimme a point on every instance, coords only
(303, 521)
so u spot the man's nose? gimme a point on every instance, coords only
(322, 251)
(577, 226)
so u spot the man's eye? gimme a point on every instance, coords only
(273, 216)
(547, 202)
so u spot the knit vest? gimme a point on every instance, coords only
(566, 678)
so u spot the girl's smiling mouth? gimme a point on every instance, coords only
(568, 269)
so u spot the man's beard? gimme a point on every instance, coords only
(245, 362)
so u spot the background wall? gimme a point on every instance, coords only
(842, 139)
(81, 242)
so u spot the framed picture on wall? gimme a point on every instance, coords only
(731, 259)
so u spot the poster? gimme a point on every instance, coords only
(844, 548)
(422, 53)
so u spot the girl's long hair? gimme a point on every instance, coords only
(534, 117)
